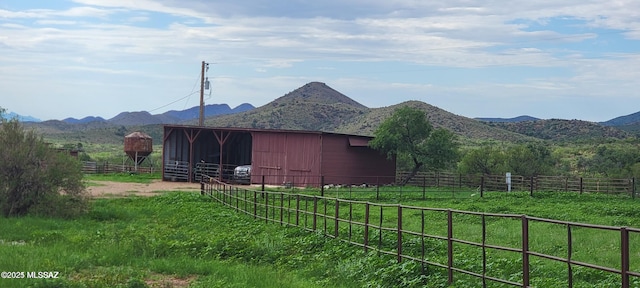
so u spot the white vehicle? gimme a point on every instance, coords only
(242, 174)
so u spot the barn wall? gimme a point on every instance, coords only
(286, 158)
(343, 163)
(175, 146)
(298, 158)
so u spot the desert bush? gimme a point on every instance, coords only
(36, 178)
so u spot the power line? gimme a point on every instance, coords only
(193, 91)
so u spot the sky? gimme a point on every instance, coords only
(566, 59)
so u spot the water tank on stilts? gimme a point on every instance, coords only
(138, 146)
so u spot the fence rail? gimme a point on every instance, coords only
(89, 167)
(454, 185)
(433, 236)
(522, 183)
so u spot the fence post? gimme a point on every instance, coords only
(335, 231)
(322, 185)
(262, 183)
(531, 187)
(481, 186)
(255, 204)
(315, 212)
(378, 188)
(281, 207)
(366, 226)
(525, 251)
(633, 188)
(266, 207)
(399, 233)
(581, 185)
(450, 245)
(424, 185)
(298, 210)
(624, 251)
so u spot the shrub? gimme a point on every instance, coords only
(36, 178)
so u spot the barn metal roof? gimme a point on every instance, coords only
(242, 129)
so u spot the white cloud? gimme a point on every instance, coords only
(147, 39)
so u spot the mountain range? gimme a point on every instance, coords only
(318, 107)
(169, 117)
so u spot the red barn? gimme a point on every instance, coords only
(297, 158)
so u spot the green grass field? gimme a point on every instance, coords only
(589, 245)
(181, 239)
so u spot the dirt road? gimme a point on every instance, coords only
(120, 189)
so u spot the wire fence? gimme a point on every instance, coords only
(459, 243)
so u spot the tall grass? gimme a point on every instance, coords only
(594, 246)
(181, 238)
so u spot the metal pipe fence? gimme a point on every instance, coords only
(436, 238)
(89, 167)
(450, 185)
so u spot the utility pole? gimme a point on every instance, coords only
(201, 122)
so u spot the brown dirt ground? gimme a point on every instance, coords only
(102, 189)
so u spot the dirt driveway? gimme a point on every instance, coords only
(121, 189)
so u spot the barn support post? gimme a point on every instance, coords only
(222, 138)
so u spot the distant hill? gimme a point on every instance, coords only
(318, 107)
(514, 119)
(563, 130)
(623, 120)
(314, 106)
(140, 118)
(21, 118)
(209, 111)
(91, 132)
(367, 123)
(87, 119)
(169, 117)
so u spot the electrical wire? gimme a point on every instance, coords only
(188, 96)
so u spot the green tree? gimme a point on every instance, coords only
(484, 160)
(34, 177)
(408, 133)
(530, 159)
(615, 160)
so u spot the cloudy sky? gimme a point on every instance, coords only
(569, 59)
